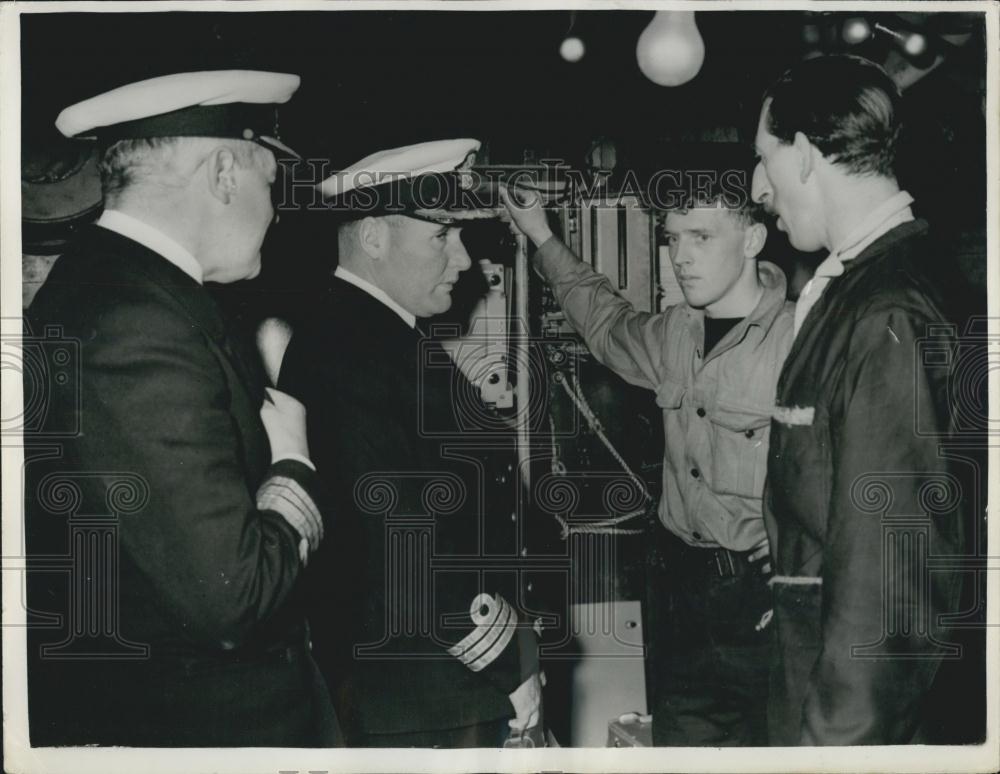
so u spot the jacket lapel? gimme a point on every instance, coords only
(798, 360)
(192, 299)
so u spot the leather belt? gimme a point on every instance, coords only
(718, 562)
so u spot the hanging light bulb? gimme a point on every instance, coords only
(572, 49)
(915, 44)
(670, 50)
(856, 30)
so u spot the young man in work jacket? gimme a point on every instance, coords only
(713, 363)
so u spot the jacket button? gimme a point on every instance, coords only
(227, 644)
(700, 412)
(530, 587)
(749, 433)
(697, 535)
(695, 473)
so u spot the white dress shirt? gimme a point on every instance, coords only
(893, 212)
(348, 276)
(148, 236)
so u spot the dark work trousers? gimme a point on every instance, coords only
(490, 734)
(707, 659)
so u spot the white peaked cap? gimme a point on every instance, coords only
(395, 164)
(212, 103)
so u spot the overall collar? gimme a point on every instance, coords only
(763, 316)
(893, 212)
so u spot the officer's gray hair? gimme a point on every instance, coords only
(165, 162)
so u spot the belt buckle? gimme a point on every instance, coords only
(726, 568)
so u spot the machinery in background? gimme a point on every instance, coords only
(615, 455)
(482, 353)
(590, 453)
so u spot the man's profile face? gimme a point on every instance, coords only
(707, 248)
(778, 185)
(423, 264)
(252, 215)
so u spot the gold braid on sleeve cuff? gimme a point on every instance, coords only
(287, 497)
(496, 622)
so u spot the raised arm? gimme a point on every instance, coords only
(627, 341)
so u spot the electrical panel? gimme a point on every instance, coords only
(605, 434)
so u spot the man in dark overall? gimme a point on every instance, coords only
(859, 492)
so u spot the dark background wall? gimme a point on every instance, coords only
(374, 80)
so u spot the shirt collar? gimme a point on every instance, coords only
(892, 212)
(377, 293)
(148, 236)
(772, 301)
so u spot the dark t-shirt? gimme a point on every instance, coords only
(716, 328)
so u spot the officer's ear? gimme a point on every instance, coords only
(373, 237)
(754, 238)
(221, 169)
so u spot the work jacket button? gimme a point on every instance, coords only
(695, 472)
(700, 412)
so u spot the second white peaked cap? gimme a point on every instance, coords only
(210, 103)
(395, 164)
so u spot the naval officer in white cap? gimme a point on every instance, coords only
(415, 628)
(188, 635)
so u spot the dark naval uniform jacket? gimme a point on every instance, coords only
(862, 501)
(413, 599)
(159, 593)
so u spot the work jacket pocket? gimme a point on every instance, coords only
(801, 477)
(671, 396)
(739, 449)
